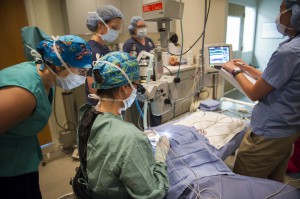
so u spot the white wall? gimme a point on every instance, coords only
(193, 20)
(47, 15)
(267, 12)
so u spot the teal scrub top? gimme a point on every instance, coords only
(20, 152)
(120, 162)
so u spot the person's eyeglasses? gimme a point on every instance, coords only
(141, 26)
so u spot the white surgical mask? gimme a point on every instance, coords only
(280, 27)
(127, 102)
(111, 34)
(72, 80)
(141, 32)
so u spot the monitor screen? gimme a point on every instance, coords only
(218, 55)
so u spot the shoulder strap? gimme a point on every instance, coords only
(85, 125)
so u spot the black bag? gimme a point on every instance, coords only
(80, 180)
(80, 186)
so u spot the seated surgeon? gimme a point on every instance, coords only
(138, 32)
(120, 162)
(25, 108)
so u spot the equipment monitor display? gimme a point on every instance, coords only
(218, 55)
(215, 55)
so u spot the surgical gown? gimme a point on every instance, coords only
(120, 163)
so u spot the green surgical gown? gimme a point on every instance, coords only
(120, 162)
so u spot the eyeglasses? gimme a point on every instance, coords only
(141, 26)
(61, 71)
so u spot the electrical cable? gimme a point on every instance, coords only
(206, 14)
(139, 119)
(67, 126)
(270, 196)
(203, 32)
(168, 70)
(55, 115)
(198, 193)
(138, 108)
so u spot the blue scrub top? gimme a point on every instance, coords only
(102, 50)
(278, 114)
(149, 45)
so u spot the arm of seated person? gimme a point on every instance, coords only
(140, 168)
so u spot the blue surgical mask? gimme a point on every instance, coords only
(280, 27)
(111, 34)
(141, 33)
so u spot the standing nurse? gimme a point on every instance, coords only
(138, 32)
(105, 25)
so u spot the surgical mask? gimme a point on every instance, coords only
(111, 34)
(141, 33)
(72, 80)
(128, 101)
(280, 27)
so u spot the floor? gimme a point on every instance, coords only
(55, 175)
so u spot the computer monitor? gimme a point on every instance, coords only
(215, 55)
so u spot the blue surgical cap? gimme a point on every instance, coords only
(113, 77)
(295, 18)
(74, 51)
(106, 12)
(133, 23)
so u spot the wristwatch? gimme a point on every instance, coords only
(236, 71)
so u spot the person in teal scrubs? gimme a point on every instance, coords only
(120, 162)
(25, 109)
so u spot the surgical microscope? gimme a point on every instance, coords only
(163, 89)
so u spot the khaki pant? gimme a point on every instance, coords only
(264, 157)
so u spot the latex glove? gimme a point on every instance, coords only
(162, 149)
